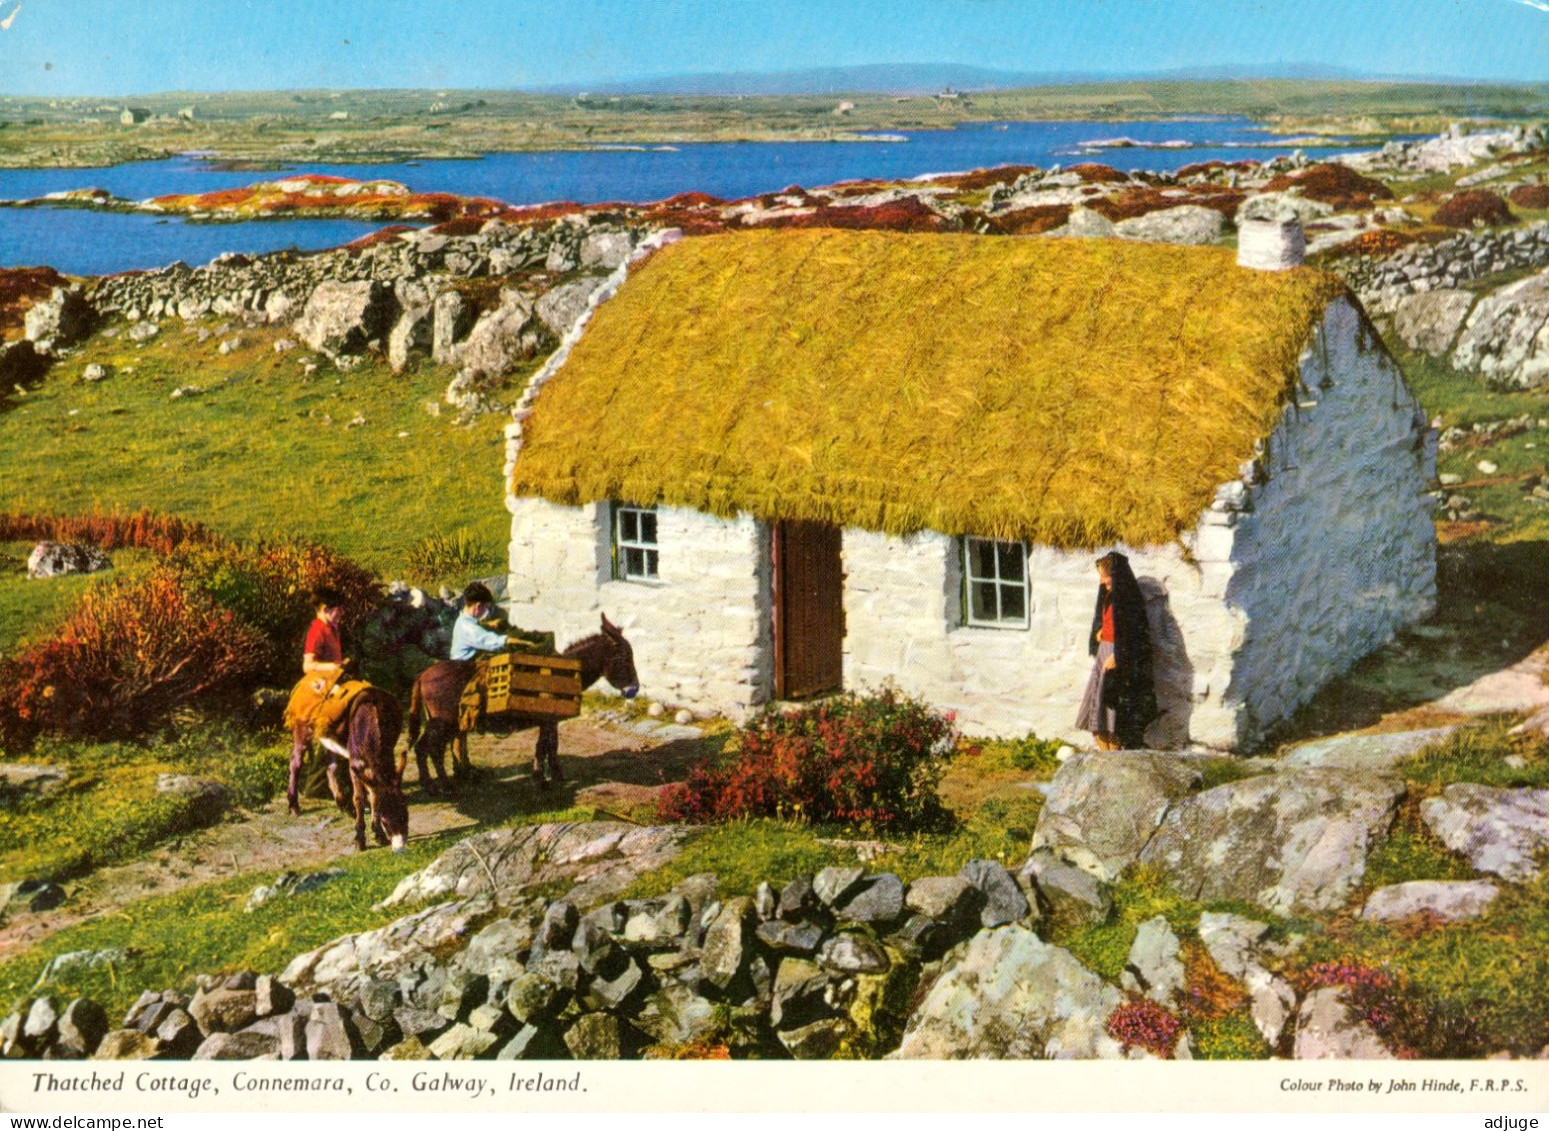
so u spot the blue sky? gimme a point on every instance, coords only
(108, 47)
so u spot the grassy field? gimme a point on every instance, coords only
(352, 460)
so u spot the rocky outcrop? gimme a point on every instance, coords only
(1326, 1029)
(1376, 753)
(1430, 321)
(1445, 900)
(60, 321)
(343, 318)
(1101, 809)
(1188, 224)
(1500, 831)
(1298, 840)
(1506, 338)
(1007, 994)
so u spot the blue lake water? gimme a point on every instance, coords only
(83, 242)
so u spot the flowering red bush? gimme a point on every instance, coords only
(1409, 1022)
(872, 760)
(1335, 184)
(1142, 1023)
(130, 653)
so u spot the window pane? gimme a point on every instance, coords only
(629, 526)
(650, 563)
(1013, 603)
(634, 562)
(981, 558)
(648, 527)
(1011, 560)
(982, 601)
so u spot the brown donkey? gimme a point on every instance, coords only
(371, 728)
(439, 688)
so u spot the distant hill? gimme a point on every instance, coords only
(931, 78)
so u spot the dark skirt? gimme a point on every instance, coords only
(1093, 716)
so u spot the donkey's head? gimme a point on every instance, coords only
(619, 662)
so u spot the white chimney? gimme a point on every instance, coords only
(1271, 245)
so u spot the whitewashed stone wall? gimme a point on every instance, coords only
(1332, 543)
(701, 631)
(904, 623)
(1318, 555)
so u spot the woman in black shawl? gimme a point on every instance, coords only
(1120, 699)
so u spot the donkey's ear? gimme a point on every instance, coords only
(609, 627)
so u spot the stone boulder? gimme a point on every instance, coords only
(502, 337)
(1086, 224)
(55, 559)
(1450, 900)
(1006, 994)
(562, 307)
(1506, 338)
(604, 856)
(1327, 1030)
(414, 330)
(1189, 224)
(60, 321)
(1497, 830)
(1297, 841)
(1101, 809)
(451, 319)
(34, 895)
(341, 318)
(1154, 967)
(1378, 753)
(1430, 321)
(606, 249)
(1071, 894)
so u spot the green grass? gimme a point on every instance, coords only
(1478, 754)
(108, 809)
(206, 930)
(1494, 969)
(30, 608)
(265, 451)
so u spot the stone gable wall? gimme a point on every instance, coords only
(1333, 548)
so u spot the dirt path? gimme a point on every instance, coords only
(608, 765)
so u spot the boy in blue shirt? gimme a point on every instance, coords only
(470, 639)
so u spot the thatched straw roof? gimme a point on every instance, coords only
(1072, 392)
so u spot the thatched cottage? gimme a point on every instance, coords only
(790, 462)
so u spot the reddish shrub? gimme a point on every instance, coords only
(1132, 202)
(382, 235)
(1142, 1023)
(269, 588)
(984, 178)
(1409, 1022)
(142, 530)
(1212, 167)
(691, 200)
(1095, 173)
(1474, 208)
(1336, 185)
(872, 760)
(132, 652)
(1032, 221)
(1381, 242)
(909, 214)
(1530, 196)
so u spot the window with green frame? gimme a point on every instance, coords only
(635, 547)
(995, 591)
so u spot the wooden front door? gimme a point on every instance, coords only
(808, 610)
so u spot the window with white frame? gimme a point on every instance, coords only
(995, 583)
(634, 542)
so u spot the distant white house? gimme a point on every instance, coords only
(792, 462)
(133, 115)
